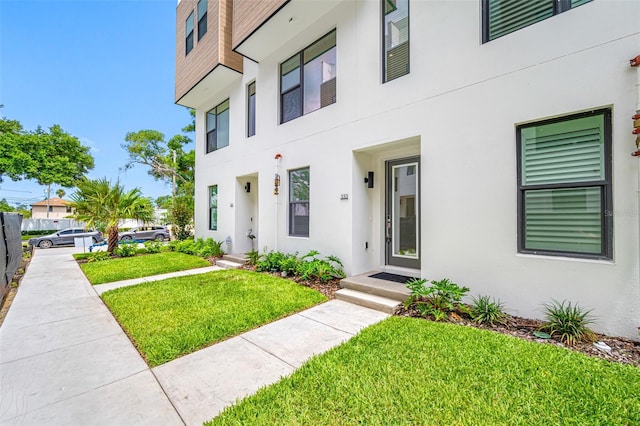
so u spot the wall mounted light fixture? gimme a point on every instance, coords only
(369, 180)
(247, 187)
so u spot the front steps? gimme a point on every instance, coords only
(232, 261)
(372, 293)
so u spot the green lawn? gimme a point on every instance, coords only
(406, 371)
(125, 268)
(170, 318)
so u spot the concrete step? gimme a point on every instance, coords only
(377, 287)
(237, 258)
(228, 264)
(367, 300)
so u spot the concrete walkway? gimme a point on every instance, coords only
(65, 360)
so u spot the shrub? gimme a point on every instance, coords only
(199, 247)
(270, 262)
(152, 247)
(253, 256)
(487, 311)
(126, 249)
(437, 300)
(310, 267)
(98, 256)
(568, 322)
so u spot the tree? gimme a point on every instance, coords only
(102, 205)
(170, 162)
(60, 193)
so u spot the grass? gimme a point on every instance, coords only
(406, 371)
(169, 318)
(140, 266)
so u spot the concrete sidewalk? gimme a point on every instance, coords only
(65, 360)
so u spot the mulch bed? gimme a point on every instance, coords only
(623, 350)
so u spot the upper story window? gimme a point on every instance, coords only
(501, 17)
(564, 180)
(251, 109)
(299, 202)
(395, 23)
(218, 127)
(189, 34)
(308, 79)
(202, 18)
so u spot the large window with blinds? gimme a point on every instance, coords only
(395, 23)
(308, 79)
(501, 17)
(564, 180)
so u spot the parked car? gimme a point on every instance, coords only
(65, 237)
(141, 233)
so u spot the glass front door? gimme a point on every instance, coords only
(402, 215)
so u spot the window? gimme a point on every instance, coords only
(395, 21)
(299, 202)
(501, 17)
(218, 127)
(50, 209)
(564, 180)
(202, 18)
(308, 79)
(189, 34)
(68, 209)
(213, 207)
(251, 109)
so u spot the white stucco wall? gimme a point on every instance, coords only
(458, 109)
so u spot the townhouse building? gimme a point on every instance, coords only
(487, 141)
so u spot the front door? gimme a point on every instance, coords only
(402, 213)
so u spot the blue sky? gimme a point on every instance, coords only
(99, 69)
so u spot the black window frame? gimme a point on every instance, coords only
(300, 85)
(212, 226)
(383, 23)
(293, 204)
(606, 185)
(189, 40)
(202, 20)
(559, 6)
(251, 109)
(208, 132)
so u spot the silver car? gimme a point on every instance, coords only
(145, 233)
(65, 237)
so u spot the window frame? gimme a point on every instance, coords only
(213, 208)
(202, 18)
(301, 84)
(188, 34)
(559, 6)
(251, 118)
(207, 131)
(384, 42)
(291, 204)
(605, 185)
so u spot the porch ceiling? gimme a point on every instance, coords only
(204, 92)
(289, 22)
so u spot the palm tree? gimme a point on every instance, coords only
(101, 205)
(60, 193)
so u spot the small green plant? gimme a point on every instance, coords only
(310, 266)
(126, 249)
(98, 256)
(437, 300)
(152, 247)
(199, 247)
(488, 311)
(569, 322)
(253, 257)
(289, 263)
(270, 262)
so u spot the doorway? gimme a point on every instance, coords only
(402, 213)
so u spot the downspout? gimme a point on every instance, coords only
(276, 192)
(635, 62)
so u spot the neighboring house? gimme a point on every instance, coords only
(56, 208)
(484, 141)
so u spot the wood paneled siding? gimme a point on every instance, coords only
(250, 14)
(213, 49)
